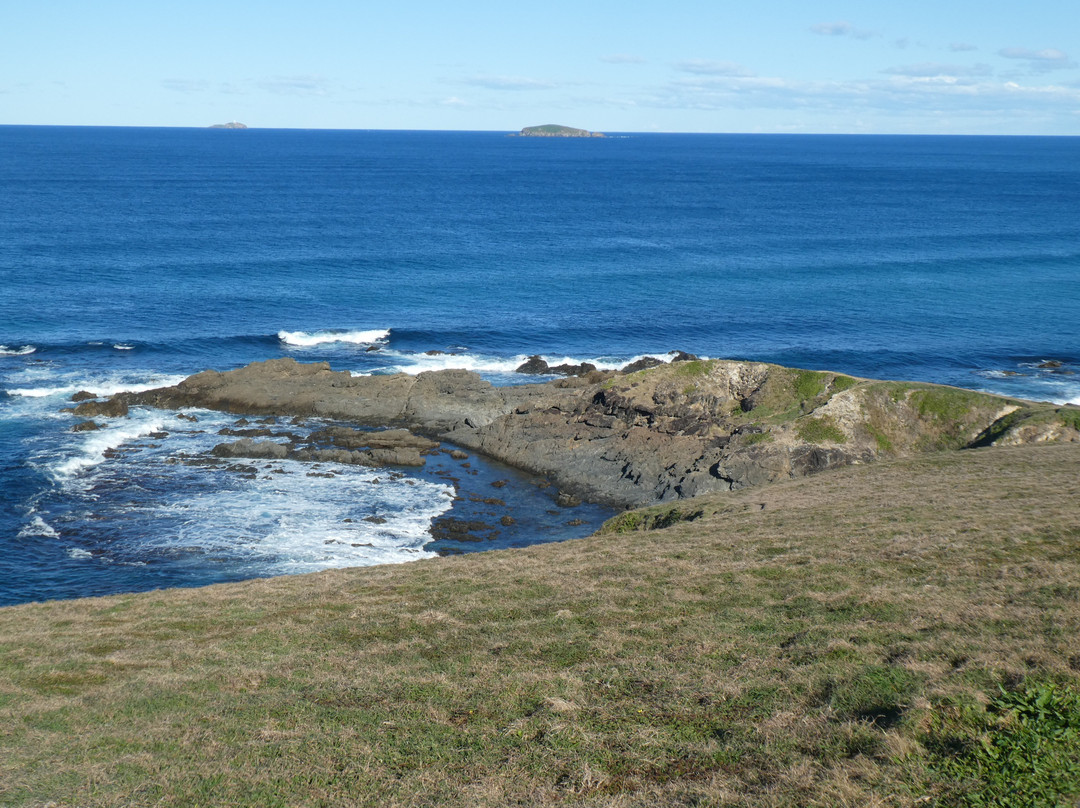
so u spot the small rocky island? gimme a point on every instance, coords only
(555, 130)
(229, 125)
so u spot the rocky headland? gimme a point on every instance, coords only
(629, 438)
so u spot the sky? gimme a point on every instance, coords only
(854, 66)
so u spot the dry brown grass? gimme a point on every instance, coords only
(747, 657)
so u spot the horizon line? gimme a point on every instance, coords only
(515, 131)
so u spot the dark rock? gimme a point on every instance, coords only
(454, 529)
(375, 520)
(260, 432)
(86, 426)
(246, 447)
(113, 408)
(83, 395)
(348, 438)
(1049, 364)
(487, 500)
(185, 417)
(682, 356)
(644, 363)
(535, 366)
(506, 521)
(573, 370)
(566, 500)
(499, 483)
(575, 522)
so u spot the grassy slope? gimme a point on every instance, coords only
(834, 647)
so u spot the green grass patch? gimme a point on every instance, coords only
(752, 438)
(882, 440)
(1023, 749)
(842, 383)
(693, 369)
(878, 694)
(808, 383)
(1070, 417)
(820, 430)
(946, 403)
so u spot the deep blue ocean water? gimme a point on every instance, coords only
(130, 258)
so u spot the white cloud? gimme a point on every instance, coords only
(508, 83)
(706, 67)
(841, 29)
(960, 47)
(940, 95)
(622, 59)
(294, 85)
(930, 69)
(1046, 59)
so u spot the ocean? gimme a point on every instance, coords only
(132, 258)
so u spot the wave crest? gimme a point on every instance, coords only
(23, 351)
(305, 339)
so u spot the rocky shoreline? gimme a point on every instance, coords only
(626, 438)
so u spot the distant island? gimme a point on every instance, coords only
(229, 125)
(555, 130)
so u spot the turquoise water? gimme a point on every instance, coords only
(133, 257)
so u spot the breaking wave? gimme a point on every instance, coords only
(306, 339)
(23, 351)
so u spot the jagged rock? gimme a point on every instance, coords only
(86, 426)
(573, 370)
(246, 447)
(644, 363)
(534, 366)
(348, 438)
(83, 395)
(113, 408)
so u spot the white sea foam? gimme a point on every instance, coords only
(91, 450)
(38, 527)
(23, 351)
(100, 386)
(40, 392)
(305, 339)
(418, 363)
(77, 552)
(299, 523)
(121, 347)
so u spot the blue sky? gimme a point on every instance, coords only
(765, 66)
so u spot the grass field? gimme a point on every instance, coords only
(900, 634)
